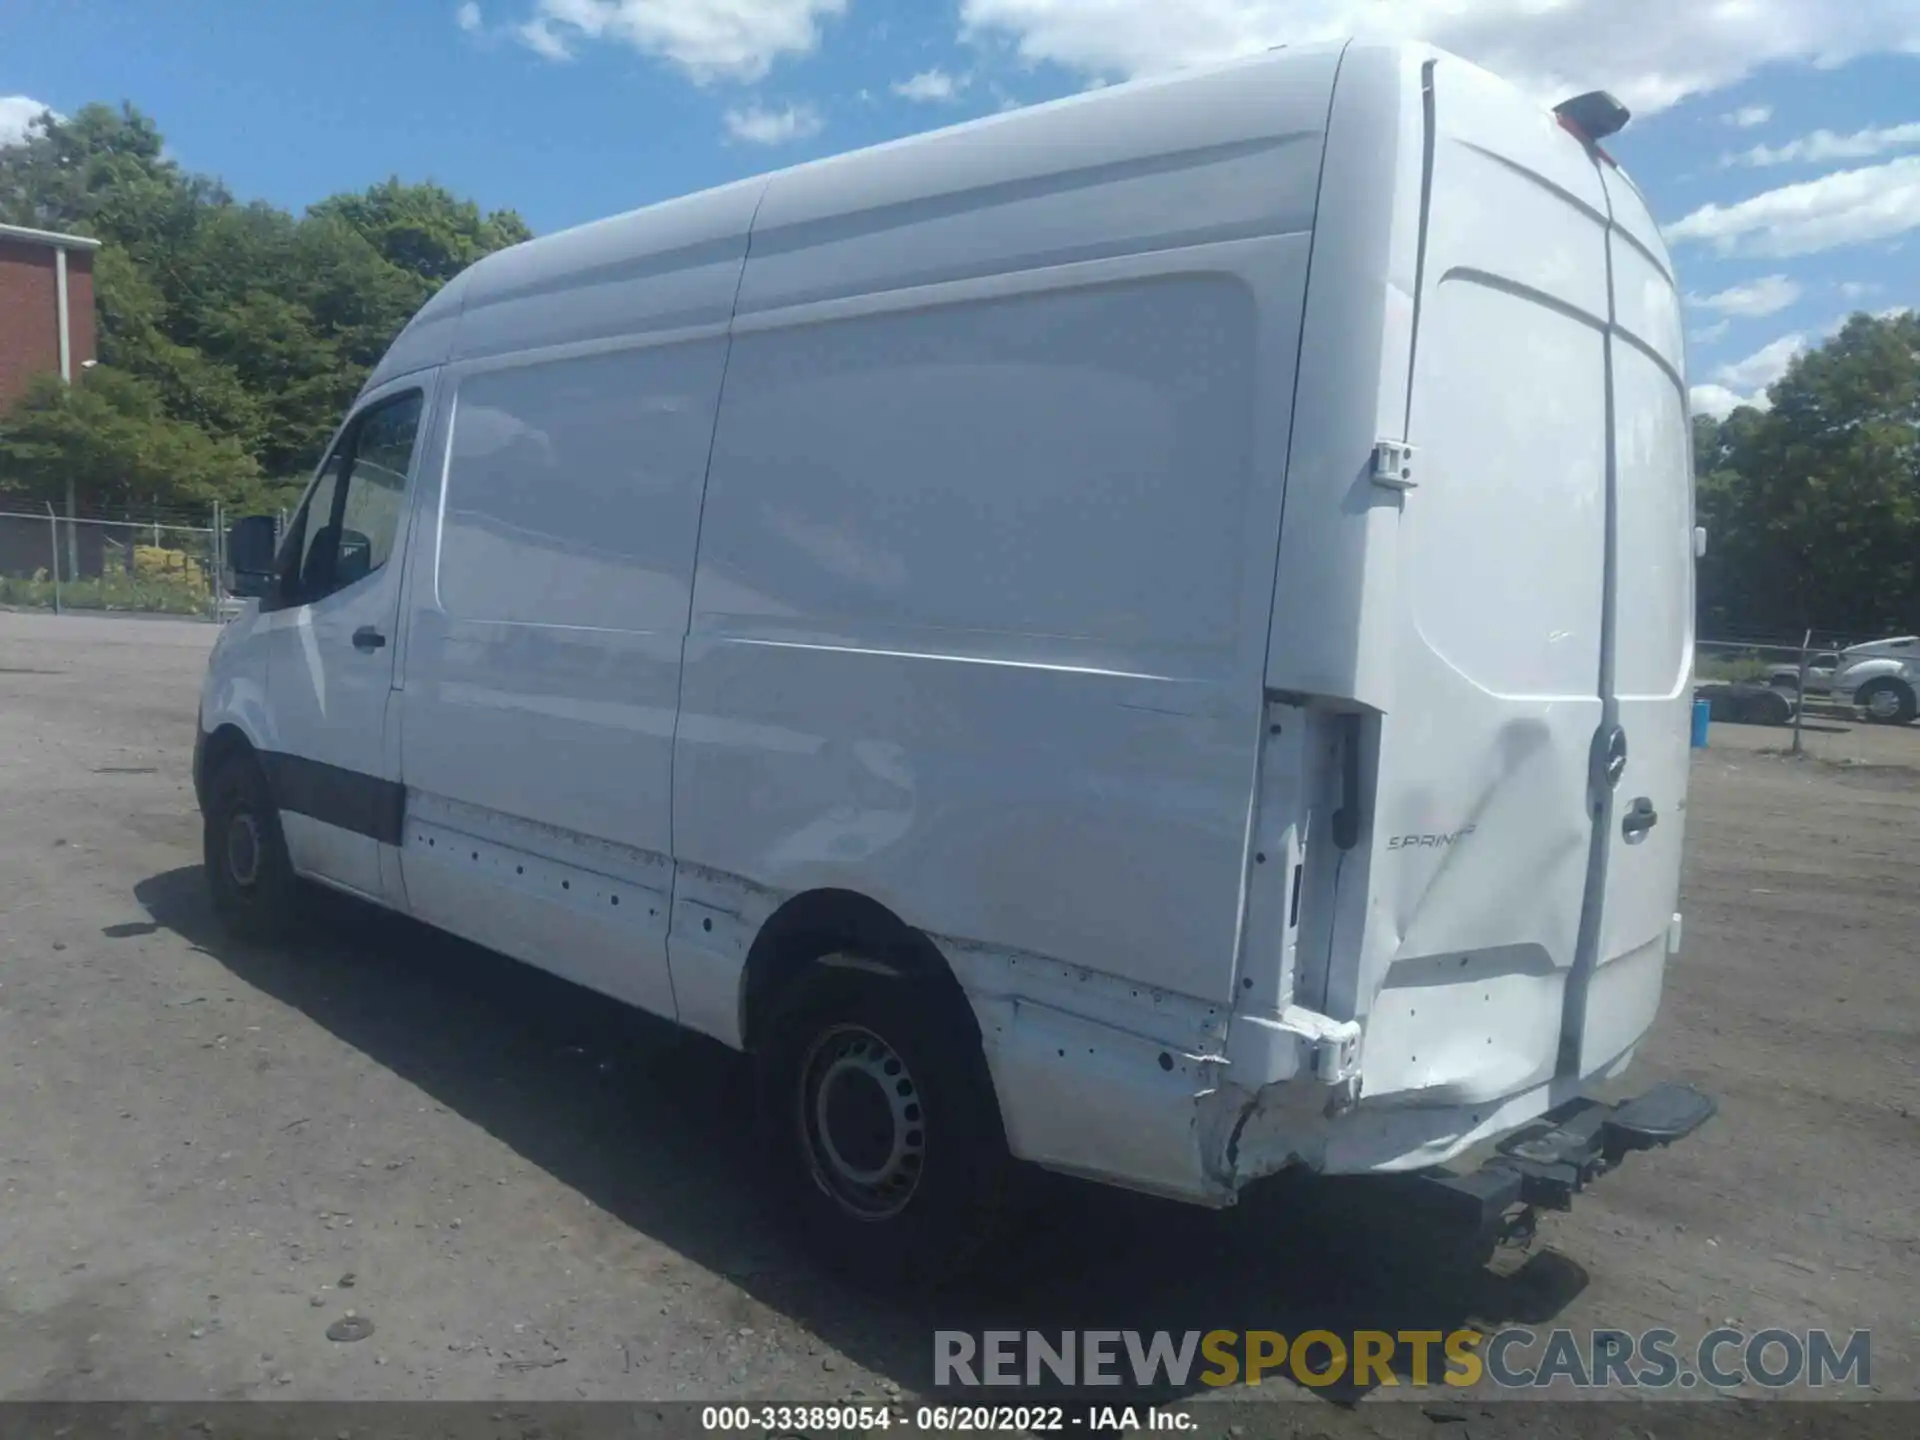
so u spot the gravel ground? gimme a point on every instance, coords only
(210, 1153)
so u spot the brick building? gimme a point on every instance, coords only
(46, 328)
(46, 306)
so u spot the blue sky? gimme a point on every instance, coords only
(1778, 140)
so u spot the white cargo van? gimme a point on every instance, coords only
(1149, 636)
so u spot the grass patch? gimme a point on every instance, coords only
(1732, 668)
(147, 594)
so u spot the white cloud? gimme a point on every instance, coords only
(930, 85)
(773, 127)
(1763, 366)
(1651, 53)
(543, 40)
(17, 112)
(1825, 145)
(1765, 296)
(1745, 382)
(1847, 207)
(1854, 289)
(1748, 116)
(467, 17)
(1707, 334)
(708, 39)
(1718, 401)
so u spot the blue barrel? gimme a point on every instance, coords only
(1702, 712)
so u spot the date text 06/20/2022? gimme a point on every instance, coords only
(1009, 1419)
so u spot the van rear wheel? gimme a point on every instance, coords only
(881, 1120)
(254, 889)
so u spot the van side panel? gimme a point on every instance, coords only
(1333, 597)
(972, 631)
(986, 561)
(544, 652)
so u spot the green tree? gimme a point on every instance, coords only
(195, 387)
(247, 324)
(102, 171)
(1814, 503)
(423, 229)
(112, 438)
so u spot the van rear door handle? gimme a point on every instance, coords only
(1640, 818)
(368, 638)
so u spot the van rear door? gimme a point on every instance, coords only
(1545, 465)
(1650, 646)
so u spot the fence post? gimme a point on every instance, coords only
(73, 536)
(1800, 701)
(53, 531)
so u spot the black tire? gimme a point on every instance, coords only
(255, 892)
(1905, 705)
(934, 1132)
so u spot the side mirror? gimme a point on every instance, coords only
(354, 559)
(251, 545)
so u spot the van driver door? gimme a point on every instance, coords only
(330, 667)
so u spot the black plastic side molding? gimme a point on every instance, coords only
(365, 804)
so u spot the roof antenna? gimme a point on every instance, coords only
(1593, 116)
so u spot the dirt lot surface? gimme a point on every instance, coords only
(538, 1195)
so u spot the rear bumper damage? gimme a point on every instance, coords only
(1544, 1165)
(1200, 1124)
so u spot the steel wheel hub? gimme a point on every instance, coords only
(861, 1122)
(1883, 704)
(243, 850)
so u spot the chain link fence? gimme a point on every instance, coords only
(51, 562)
(1802, 694)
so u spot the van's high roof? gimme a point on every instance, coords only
(1262, 100)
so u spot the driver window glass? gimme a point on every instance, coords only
(371, 461)
(377, 487)
(310, 537)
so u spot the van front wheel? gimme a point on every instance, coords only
(251, 880)
(881, 1118)
(1888, 701)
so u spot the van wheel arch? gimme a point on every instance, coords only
(876, 1108)
(819, 923)
(252, 883)
(221, 747)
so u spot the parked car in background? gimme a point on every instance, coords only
(1820, 671)
(1880, 677)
